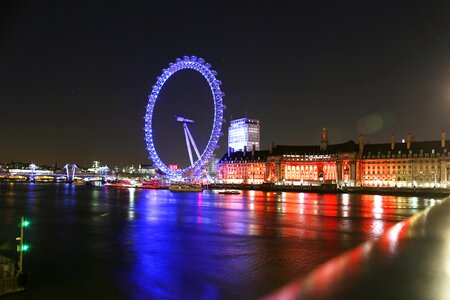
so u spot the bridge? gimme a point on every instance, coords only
(33, 173)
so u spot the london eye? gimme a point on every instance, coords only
(202, 157)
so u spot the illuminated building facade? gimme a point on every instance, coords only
(244, 134)
(313, 165)
(406, 164)
(243, 167)
(292, 165)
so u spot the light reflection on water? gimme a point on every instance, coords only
(153, 244)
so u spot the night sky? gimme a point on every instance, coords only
(75, 75)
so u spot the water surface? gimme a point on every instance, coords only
(98, 242)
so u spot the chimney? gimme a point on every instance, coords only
(253, 150)
(361, 144)
(324, 140)
(272, 147)
(245, 151)
(229, 151)
(408, 141)
(392, 142)
(443, 139)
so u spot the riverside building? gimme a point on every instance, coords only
(422, 164)
(243, 167)
(405, 164)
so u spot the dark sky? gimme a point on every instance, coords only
(75, 75)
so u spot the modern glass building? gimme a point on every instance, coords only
(244, 133)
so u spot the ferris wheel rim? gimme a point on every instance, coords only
(204, 68)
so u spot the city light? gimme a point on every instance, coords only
(25, 223)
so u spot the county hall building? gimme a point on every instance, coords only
(395, 164)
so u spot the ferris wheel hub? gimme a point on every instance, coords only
(183, 120)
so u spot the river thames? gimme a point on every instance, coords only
(91, 242)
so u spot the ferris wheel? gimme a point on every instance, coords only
(204, 68)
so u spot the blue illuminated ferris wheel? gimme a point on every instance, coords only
(204, 68)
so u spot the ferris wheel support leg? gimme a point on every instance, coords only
(193, 142)
(186, 135)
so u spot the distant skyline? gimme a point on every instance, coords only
(75, 75)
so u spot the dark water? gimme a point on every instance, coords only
(105, 243)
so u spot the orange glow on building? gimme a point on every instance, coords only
(239, 173)
(240, 168)
(413, 164)
(309, 171)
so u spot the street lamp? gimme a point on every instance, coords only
(22, 247)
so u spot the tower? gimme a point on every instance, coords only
(324, 140)
(242, 133)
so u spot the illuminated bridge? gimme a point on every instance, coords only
(67, 174)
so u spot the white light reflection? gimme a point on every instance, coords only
(316, 207)
(301, 205)
(278, 197)
(301, 198)
(415, 202)
(377, 227)
(345, 199)
(393, 235)
(377, 206)
(345, 205)
(251, 195)
(430, 202)
(132, 192)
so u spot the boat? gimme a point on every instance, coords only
(234, 192)
(122, 184)
(150, 184)
(185, 188)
